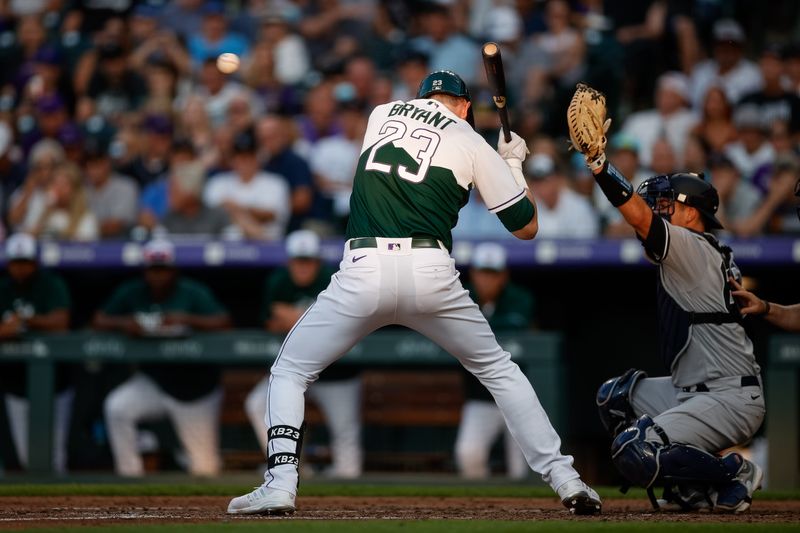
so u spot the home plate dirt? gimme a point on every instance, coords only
(52, 511)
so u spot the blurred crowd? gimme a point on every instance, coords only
(117, 123)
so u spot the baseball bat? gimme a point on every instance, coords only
(493, 63)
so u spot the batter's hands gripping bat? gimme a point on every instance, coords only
(497, 82)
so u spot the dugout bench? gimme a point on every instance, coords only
(783, 412)
(538, 355)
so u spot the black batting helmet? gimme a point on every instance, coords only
(686, 188)
(446, 82)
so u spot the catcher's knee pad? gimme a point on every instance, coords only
(280, 458)
(614, 401)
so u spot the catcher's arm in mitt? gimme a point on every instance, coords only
(586, 117)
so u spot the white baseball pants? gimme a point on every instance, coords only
(420, 289)
(481, 424)
(18, 410)
(340, 403)
(196, 423)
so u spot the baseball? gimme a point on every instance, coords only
(228, 63)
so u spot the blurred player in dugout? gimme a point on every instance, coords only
(163, 304)
(507, 307)
(288, 292)
(33, 300)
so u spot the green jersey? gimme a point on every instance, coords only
(184, 382)
(280, 287)
(418, 163)
(513, 310)
(44, 293)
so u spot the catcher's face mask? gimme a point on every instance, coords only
(659, 195)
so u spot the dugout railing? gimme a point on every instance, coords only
(537, 353)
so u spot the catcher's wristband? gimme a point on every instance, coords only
(596, 163)
(515, 165)
(617, 189)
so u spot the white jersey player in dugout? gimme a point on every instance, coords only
(418, 163)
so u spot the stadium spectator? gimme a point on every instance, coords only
(50, 115)
(773, 101)
(288, 49)
(738, 198)
(29, 200)
(288, 292)
(114, 88)
(360, 74)
(728, 66)
(562, 212)
(240, 114)
(333, 160)
(275, 135)
(446, 47)
(777, 212)
(563, 43)
(411, 69)
(164, 304)
(664, 160)
(163, 85)
(216, 91)
(50, 78)
(695, 155)
(112, 196)
(257, 202)
(153, 161)
(154, 200)
(331, 29)
(33, 300)
(716, 127)
(214, 37)
(70, 137)
(507, 307)
(752, 151)
(184, 17)
(194, 125)
(386, 40)
(18, 51)
(319, 119)
(670, 119)
(187, 215)
(67, 216)
(476, 222)
(152, 45)
(270, 94)
(12, 173)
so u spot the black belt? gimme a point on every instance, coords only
(372, 242)
(747, 381)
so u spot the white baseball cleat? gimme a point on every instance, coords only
(263, 500)
(579, 498)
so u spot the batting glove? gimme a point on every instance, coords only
(516, 148)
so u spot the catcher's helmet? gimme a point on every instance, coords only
(446, 82)
(686, 188)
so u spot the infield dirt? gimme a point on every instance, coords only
(55, 511)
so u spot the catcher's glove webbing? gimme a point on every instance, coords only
(588, 124)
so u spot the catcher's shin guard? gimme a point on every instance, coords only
(283, 458)
(646, 463)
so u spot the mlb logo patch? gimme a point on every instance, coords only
(394, 246)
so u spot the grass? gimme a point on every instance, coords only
(319, 489)
(438, 526)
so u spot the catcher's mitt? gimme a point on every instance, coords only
(588, 125)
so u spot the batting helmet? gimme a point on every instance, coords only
(446, 82)
(686, 188)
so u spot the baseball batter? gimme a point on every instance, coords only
(418, 162)
(669, 430)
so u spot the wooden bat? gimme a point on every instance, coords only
(493, 63)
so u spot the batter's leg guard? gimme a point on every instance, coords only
(614, 401)
(286, 458)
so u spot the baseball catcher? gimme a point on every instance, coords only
(670, 431)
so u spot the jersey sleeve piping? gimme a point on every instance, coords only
(507, 202)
